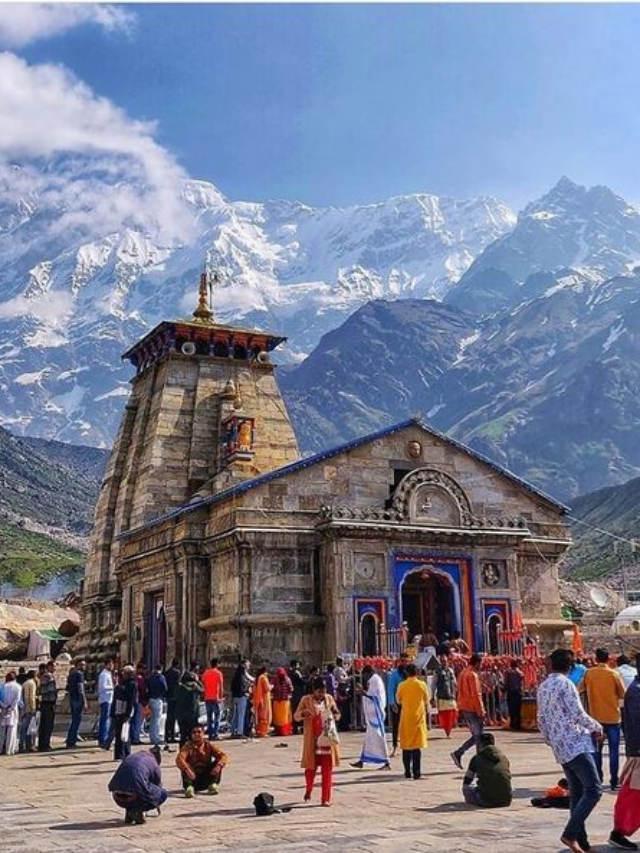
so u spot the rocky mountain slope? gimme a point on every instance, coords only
(550, 389)
(71, 301)
(55, 488)
(614, 510)
(47, 494)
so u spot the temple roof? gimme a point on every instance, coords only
(202, 329)
(198, 329)
(308, 461)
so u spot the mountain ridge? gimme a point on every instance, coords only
(68, 309)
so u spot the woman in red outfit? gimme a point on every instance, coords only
(282, 692)
(318, 713)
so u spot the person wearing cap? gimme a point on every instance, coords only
(200, 762)
(47, 695)
(125, 698)
(136, 786)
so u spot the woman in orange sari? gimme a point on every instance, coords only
(318, 712)
(262, 702)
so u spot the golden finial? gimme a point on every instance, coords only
(203, 312)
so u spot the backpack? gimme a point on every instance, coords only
(264, 805)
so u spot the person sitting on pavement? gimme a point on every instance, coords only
(136, 786)
(491, 768)
(555, 797)
(201, 763)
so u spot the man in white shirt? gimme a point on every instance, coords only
(572, 735)
(340, 673)
(105, 700)
(10, 715)
(626, 672)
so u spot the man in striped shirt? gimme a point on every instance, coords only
(573, 736)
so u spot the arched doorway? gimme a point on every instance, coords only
(155, 639)
(368, 635)
(494, 626)
(428, 603)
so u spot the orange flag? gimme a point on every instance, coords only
(576, 645)
(518, 624)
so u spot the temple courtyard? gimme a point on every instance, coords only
(60, 800)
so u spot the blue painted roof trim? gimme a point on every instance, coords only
(308, 461)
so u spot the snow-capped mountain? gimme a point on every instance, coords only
(588, 232)
(71, 300)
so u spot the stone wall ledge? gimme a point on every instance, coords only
(260, 620)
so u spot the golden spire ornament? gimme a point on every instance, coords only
(203, 312)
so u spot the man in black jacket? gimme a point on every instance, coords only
(125, 699)
(297, 682)
(172, 676)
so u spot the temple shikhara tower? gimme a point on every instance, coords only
(212, 535)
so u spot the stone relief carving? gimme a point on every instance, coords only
(426, 496)
(431, 496)
(368, 567)
(494, 574)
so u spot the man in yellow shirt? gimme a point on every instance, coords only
(605, 690)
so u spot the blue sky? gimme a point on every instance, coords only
(343, 104)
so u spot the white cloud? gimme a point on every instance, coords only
(24, 23)
(53, 308)
(107, 170)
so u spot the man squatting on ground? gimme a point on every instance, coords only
(136, 786)
(201, 763)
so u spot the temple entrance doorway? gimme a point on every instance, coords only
(155, 640)
(427, 604)
(494, 626)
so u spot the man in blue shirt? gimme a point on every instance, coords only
(577, 672)
(396, 676)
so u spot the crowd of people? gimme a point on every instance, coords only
(582, 703)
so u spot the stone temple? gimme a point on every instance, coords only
(214, 536)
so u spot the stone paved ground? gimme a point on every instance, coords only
(59, 801)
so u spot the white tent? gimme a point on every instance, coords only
(627, 622)
(40, 643)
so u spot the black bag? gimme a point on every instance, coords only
(264, 805)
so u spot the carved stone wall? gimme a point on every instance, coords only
(282, 581)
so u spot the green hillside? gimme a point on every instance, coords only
(615, 509)
(56, 486)
(29, 559)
